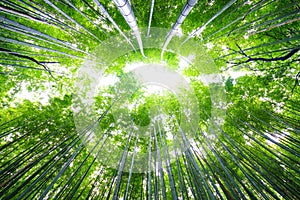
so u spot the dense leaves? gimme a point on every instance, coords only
(245, 145)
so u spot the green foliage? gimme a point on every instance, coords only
(252, 152)
(141, 116)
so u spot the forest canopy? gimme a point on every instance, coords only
(131, 99)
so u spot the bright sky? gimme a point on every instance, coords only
(34, 96)
(41, 95)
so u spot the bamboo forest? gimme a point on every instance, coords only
(150, 99)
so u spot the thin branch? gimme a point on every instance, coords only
(28, 58)
(282, 58)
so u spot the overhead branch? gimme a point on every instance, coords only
(281, 58)
(28, 58)
(250, 59)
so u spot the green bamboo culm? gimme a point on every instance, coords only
(246, 146)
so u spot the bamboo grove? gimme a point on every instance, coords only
(247, 149)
